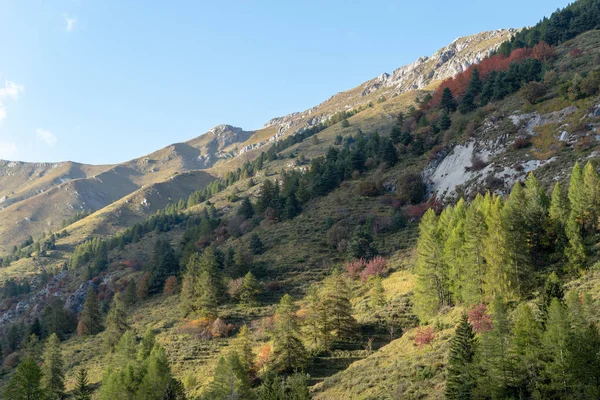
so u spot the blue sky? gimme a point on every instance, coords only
(104, 81)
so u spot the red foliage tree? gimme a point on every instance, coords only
(480, 319)
(575, 52)
(424, 335)
(543, 51)
(375, 266)
(354, 268)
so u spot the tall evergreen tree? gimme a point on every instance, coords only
(518, 259)
(246, 209)
(527, 333)
(335, 296)
(460, 379)
(25, 384)
(447, 101)
(288, 349)
(256, 245)
(116, 322)
(474, 267)
(536, 218)
(53, 375)
(497, 281)
(164, 264)
(555, 353)
(432, 290)
(83, 390)
(90, 319)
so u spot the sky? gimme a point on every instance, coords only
(105, 81)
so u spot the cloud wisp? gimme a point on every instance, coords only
(10, 91)
(46, 137)
(70, 23)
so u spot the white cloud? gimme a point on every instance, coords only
(11, 91)
(46, 137)
(70, 22)
(8, 151)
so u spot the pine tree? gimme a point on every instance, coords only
(555, 347)
(518, 260)
(116, 322)
(164, 264)
(497, 281)
(496, 358)
(147, 344)
(208, 300)
(467, 104)
(575, 250)
(25, 384)
(527, 333)
(460, 374)
(445, 122)
(535, 218)
(297, 387)
(250, 290)
(188, 294)
(431, 291)
(256, 245)
(475, 84)
(246, 209)
(158, 379)
(559, 215)
(474, 268)
(83, 390)
(388, 153)
(230, 380)
(292, 206)
(243, 344)
(335, 295)
(289, 352)
(53, 376)
(591, 197)
(377, 300)
(130, 293)
(316, 325)
(90, 320)
(584, 363)
(447, 101)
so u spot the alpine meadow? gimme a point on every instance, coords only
(433, 233)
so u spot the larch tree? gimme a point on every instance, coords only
(431, 290)
(116, 322)
(90, 319)
(289, 352)
(497, 282)
(53, 375)
(474, 266)
(518, 259)
(25, 384)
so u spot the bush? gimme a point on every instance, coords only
(369, 189)
(423, 336)
(521, 143)
(411, 188)
(375, 266)
(575, 52)
(479, 319)
(170, 286)
(345, 123)
(11, 361)
(532, 92)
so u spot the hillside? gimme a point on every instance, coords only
(431, 233)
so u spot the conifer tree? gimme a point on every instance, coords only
(147, 344)
(431, 291)
(475, 83)
(388, 153)
(447, 101)
(130, 293)
(83, 390)
(292, 206)
(243, 344)
(256, 245)
(535, 217)
(377, 299)
(555, 347)
(518, 259)
(454, 256)
(335, 295)
(246, 209)
(445, 122)
(250, 290)
(460, 380)
(316, 323)
(53, 376)
(25, 384)
(289, 352)
(474, 267)
(230, 380)
(496, 358)
(164, 264)
(527, 333)
(575, 250)
(497, 281)
(188, 294)
(90, 320)
(559, 215)
(158, 381)
(116, 322)
(591, 197)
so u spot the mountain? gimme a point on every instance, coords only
(37, 198)
(352, 208)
